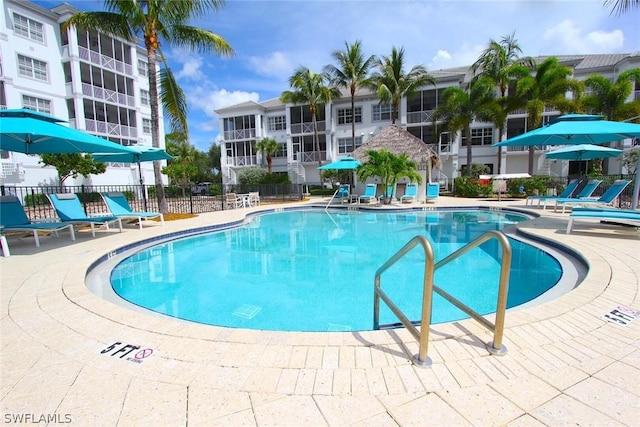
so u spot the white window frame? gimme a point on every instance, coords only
(32, 68)
(38, 104)
(28, 28)
(143, 68)
(146, 126)
(344, 115)
(144, 97)
(344, 144)
(276, 123)
(380, 112)
(482, 136)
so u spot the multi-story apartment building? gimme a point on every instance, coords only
(290, 125)
(96, 82)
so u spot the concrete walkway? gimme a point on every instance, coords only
(566, 365)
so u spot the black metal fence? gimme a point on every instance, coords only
(143, 198)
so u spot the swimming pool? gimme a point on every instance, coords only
(311, 270)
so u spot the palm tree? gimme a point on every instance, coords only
(620, 7)
(610, 98)
(500, 62)
(153, 20)
(461, 107)
(390, 168)
(268, 147)
(310, 88)
(547, 88)
(392, 83)
(351, 73)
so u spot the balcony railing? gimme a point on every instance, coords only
(110, 128)
(105, 61)
(420, 116)
(241, 161)
(309, 157)
(307, 127)
(108, 95)
(230, 135)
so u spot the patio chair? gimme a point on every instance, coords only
(606, 199)
(410, 193)
(14, 219)
(119, 207)
(343, 193)
(233, 200)
(369, 195)
(254, 198)
(586, 192)
(568, 191)
(433, 191)
(603, 214)
(70, 211)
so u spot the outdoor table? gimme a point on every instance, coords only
(246, 200)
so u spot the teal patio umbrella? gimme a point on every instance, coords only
(582, 152)
(140, 154)
(344, 163)
(30, 132)
(572, 129)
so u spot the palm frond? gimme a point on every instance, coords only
(174, 101)
(104, 22)
(200, 40)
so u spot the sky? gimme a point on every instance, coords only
(271, 38)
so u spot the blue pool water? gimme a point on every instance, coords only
(309, 270)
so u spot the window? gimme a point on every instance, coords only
(143, 70)
(345, 146)
(144, 97)
(381, 112)
(482, 136)
(277, 123)
(32, 68)
(282, 151)
(146, 126)
(28, 28)
(37, 104)
(344, 115)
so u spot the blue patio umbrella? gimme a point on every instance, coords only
(344, 163)
(574, 129)
(583, 152)
(30, 132)
(140, 154)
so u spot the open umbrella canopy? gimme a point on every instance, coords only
(140, 154)
(575, 129)
(30, 132)
(583, 152)
(344, 163)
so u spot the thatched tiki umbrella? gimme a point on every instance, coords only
(398, 141)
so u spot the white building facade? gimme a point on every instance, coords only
(96, 82)
(291, 126)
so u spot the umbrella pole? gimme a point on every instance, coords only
(144, 193)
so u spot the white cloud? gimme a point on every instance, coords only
(568, 37)
(190, 69)
(208, 100)
(275, 64)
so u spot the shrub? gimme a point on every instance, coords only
(35, 200)
(249, 176)
(471, 187)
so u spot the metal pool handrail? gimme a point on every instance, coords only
(421, 359)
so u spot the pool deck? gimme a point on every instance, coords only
(565, 363)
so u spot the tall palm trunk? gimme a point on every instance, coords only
(155, 119)
(467, 132)
(353, 119)
(315, 135)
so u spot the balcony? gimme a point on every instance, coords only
(108, 95)
(105, 61)
(419, 116)
(307, 127)
(230, 135)
(241, 161)
(309, 157)
(107, 128)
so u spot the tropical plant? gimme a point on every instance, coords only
(501, 62)
(351, 73)
(73, 164)
(610, 98)
(461, 107)
(313, 89)
(620, 7)
(392, 83)
(268, 147)
(181, 169)
(389, 167)
(153, 20)
(251, 176)
(630, 161)
(547, 87)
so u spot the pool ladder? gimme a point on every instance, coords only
(430, 266)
